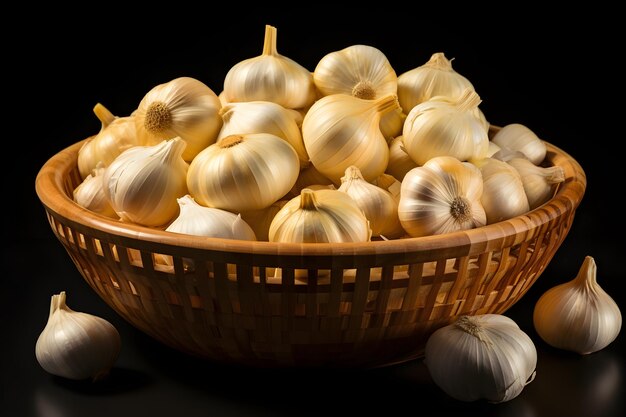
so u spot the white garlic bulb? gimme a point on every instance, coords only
(578, 315)
(481, 357)
(264, 117)
(434, 78)
(440, 197)
(260, 220)
(377, 204)
(517, 137)
(503, 192)
(183, 107)
(341, 130)
(358, 70)
(539, 183)
(76, 345)
(270, 77)
(143, 183)
(90, 194)
(320, 216)
(399, 161)
(445, 128)
(115, 136)
(243, 172)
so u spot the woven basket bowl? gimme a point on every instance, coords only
(352, 304)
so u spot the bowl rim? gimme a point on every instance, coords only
(50, 188)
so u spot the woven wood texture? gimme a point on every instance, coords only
(269, 304)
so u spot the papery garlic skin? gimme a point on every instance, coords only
(307, 177)
(539, 183)
(434, 78)
(270, 77)
(440, 197)
(445, 128)
(322, 216)
(264, 117)
(517, 137)
(260, 220)
(503, 191)
(341, 130)
(578, 315)
(243, 172)
(481, 357)
(143, 183)
(115, 136)
(76, 345)
(90, 194)
(183, 107)
(358, 70)
(377, 204)
(399, 161)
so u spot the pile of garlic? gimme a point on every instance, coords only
(349, 152)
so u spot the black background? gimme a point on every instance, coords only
(556, 74)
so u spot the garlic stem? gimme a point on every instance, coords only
(387, 104)
(439, 61)
(230, 141)
(586, 277)
(308, 200)
(471, 325)
(172, 150)
(468, 101)
(554, 175)
(103, 114)
(269, 44)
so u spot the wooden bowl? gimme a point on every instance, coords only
(352, 304)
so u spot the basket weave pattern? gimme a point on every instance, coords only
(270, 304)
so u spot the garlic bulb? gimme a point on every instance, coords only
(492, 149)
(503, 192)
(264, 117)
(270, 77)
(377, 204)
(517, 137)
(183, 107)
(481, 357)
(308, 177)
(143, 183)
(115, 136)
(578, 315)
(260, 220)
(399, 161)
(440, 197)
(76, 345)
(320, 217)
(90, 194)
(445, 128)
(434, 78)
(391, 124)
(358, 70)
(539, 183)
(342, 130)
(243, 172)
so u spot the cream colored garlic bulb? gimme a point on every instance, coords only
(143, 183)
(264, 117)
(321, 216)
(341, 130)
(440, 197)
(76, 345)
(90, 194)
(243, 172)
(399, 161)
(434, 78)
(539, 183)
(445, 128)
(270, 77)
(183, 107)
(391, 124)
(377, 204)
(578, 315)
(260, 220)
(481, 357)
(517, 137)
(492, 149)
(358, 70)
(503, 192)
(115, 136)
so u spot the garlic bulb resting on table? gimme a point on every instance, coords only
(183, 107)
(481, 357)
(90, 194)
(440, 197)
(76, 345)
(578, 315)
